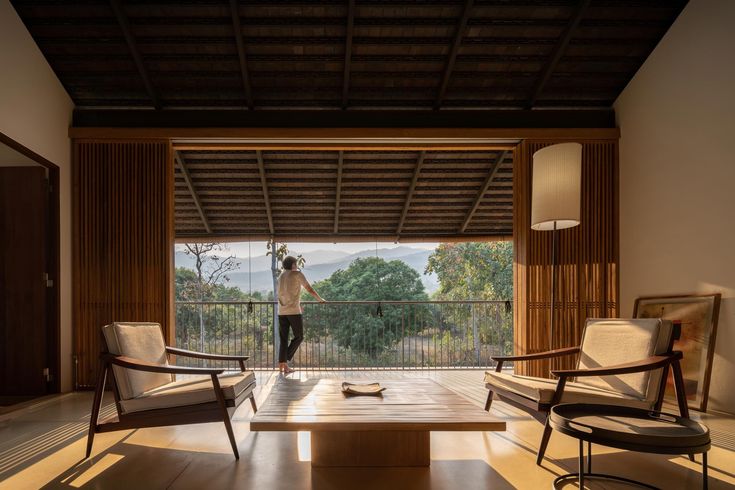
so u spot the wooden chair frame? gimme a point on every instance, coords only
(540, 411)
(219, 410)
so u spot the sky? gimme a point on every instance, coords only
(240, 249)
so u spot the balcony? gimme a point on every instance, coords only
(355, 335)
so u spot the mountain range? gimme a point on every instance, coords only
(320, 264)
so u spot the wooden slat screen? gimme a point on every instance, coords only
(587, 270)
(123, 241)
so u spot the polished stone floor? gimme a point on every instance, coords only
(43, 446)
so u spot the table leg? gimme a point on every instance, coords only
(589, 457)
(370, 448)
(704, 471)
(581, 464)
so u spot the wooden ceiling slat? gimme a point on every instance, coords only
(182, 167)
(558, 52)
(237, 30)
(411, 189)
(482, 192)
(454, 50)
(264, 185)
(122, 20)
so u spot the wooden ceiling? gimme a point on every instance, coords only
(337, 195)
(346, 54)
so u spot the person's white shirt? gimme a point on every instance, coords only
(290, 283)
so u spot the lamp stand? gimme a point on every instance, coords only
(554, 239)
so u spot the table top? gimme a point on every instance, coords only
(625, 427)
(416, 404)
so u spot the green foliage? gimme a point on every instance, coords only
(358, 326)
(473, 270)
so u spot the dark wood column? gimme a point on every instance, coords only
(123, 241)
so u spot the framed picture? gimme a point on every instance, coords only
(698, 316)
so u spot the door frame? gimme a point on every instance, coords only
(53, 298)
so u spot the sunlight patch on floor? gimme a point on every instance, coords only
(99, 467)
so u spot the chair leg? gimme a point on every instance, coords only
(489, 401)
(681, 398)
(96, 404)
(544, 442)
(225, 415)
(252, 402)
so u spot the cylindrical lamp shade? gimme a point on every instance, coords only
(556, 187)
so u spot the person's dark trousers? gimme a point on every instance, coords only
(287, 350)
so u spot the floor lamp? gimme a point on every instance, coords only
(555, 199)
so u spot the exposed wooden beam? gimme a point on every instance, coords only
(339, 191)
(411, 189)
(344, 237)
(348, 52)
(264, 185)
(558, 52)
(456, 44)
(483, 190)
(235, 11)
(192, 190)
(122, 20)
(398, 122)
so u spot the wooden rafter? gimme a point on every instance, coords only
(264, 185)
(456, 43)
(348, 52)
(192, 190)
(339, 191)
(483, 190)
(122, 20)
(235, 11)
(411, 189)
(558, 52)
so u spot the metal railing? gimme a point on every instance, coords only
(354, 334)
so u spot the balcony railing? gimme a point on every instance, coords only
(354, 334)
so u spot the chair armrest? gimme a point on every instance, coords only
(648, 364)
(202, 355)
(138, 365)
(538, 355)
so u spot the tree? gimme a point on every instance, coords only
(210, 269)
(370, 279)
(477, 271)
(473, 270)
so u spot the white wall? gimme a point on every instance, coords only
(677, 174)
(35, 110)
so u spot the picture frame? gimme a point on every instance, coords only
(698, 314)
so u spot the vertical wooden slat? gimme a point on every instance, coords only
(123, 236)
(587, 270)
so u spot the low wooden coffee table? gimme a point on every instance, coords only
(392, 430)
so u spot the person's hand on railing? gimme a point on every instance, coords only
(322, 300)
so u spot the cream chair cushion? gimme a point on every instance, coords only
(542, 390)
(142, 341)
(607, 342)
(192, 391)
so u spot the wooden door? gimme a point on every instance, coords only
(23, 262)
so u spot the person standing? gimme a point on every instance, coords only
(290, 314)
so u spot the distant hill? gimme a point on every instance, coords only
(320, 264)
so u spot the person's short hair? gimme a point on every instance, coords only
(288, 263)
